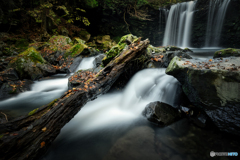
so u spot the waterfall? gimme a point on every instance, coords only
(216, 14)
(179, 24)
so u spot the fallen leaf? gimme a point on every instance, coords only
(210, 60)
(44, 129)
(42, 144)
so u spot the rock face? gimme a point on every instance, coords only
(213, 86)
(30, 64)
(161, 113)
(227, 53)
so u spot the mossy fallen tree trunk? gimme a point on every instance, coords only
(29, 137)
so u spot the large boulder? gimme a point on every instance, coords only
(161, 113)
(212, 85)
(31, 65)
(227, 53)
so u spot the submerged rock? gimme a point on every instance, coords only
(227, 53)
(137, 144)
(30, 64)
(213, 86)
(161, 113)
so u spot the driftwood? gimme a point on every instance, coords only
(30, 136)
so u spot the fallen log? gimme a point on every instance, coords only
(30, 136)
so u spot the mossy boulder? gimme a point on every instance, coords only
(227, 53)
(58, 43)
(83, 34)
(76, 49)
(30, 64)
(155, 50)
(104, 42)
(212, 86)
(115, 50)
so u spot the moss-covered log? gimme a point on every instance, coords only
(29, 137)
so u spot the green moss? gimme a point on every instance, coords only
(30, 54)
(75, 50)
(33, 111)
(1, 136)
(52, 103)
(227, 53)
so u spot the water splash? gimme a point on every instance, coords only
(116, 109)
(216, 15)
(179, 24)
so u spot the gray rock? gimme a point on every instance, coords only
(98, 60)
(213, 86)
(161, 113)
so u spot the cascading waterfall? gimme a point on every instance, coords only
(179, 24)
(216, 15)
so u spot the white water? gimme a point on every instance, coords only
(115, 109)
(216, 15)
(42, 92)
(179, 24)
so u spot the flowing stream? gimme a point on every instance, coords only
(112, 126)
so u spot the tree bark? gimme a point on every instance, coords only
(29, 137)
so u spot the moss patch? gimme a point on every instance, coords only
(227, 53)
(75, 50)
(1, 136)
(33, 111)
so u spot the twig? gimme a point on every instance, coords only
(5, 116)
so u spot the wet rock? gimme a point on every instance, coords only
(137, 144)
(227, 53)
(170, 55)
(11, 88)
(31, 65)
(155, 50)
(161, 113)
(98, 60)
(9, 74)
(212, 85)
